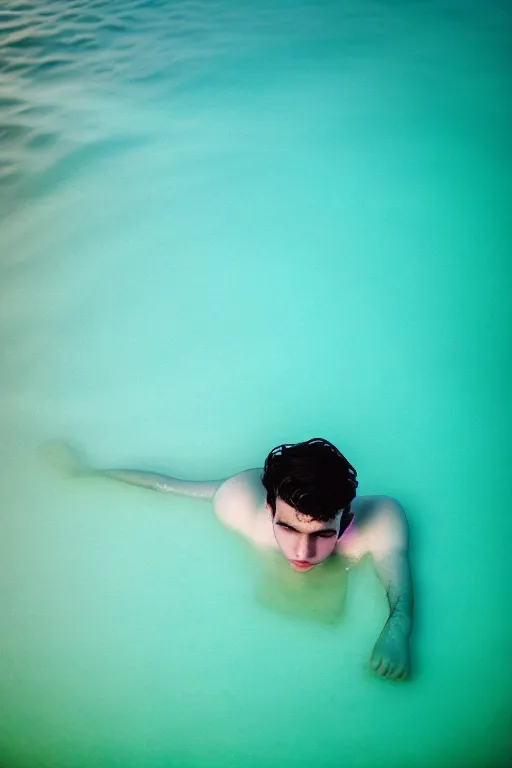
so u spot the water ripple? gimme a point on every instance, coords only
(69, 68)
(63, 62)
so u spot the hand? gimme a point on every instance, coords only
(390, 656)
(63, 458)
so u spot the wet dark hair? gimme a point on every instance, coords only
(313, 477)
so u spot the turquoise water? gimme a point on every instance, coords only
(224, 226)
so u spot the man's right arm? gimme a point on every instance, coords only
(198, 489)
(71, 463)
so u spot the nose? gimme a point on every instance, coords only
(305, 547)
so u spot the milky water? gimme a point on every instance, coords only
(224, 226)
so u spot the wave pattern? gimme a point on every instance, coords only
(74, 74)
(65, 65)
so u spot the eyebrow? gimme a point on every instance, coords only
(315, 533)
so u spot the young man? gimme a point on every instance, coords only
(304, 502)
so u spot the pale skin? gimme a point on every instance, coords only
(379, 528)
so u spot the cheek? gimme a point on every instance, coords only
(325, 547)
(284, 539)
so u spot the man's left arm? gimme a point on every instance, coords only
(387, 537)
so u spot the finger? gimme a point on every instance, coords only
(383, 669)
(394, 672)
(375, 661)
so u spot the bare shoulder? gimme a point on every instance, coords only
(239, 501)
(379, 524)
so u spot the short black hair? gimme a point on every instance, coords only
(313, 477)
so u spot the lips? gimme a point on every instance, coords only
(301, 564)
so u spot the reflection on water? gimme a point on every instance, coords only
(64, 62)
(66, 66)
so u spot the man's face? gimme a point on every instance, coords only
(303, 541)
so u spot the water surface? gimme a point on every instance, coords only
(224, 226)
